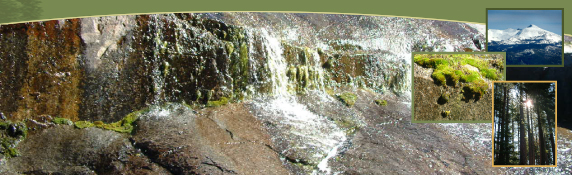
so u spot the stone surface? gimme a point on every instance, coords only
(65, 150)
(219, 141)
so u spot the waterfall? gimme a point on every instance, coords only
(276, 64)
(314, 136)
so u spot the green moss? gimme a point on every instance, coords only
(8, 147)
(12, 152)
(4, 124)
(471, 76)
(444, 73)
(490, 73)
(98, 124)
(381, 102)
(124, 125)
(349, 127)
(220, 102)
(62, 121)
(349, 99)
(444, 98)
(445, 113)
(83, 124)
(475, 90)
(229, 47)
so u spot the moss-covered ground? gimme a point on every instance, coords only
(452, 69)
(459, 87)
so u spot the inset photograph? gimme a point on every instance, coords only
(454, 87)
(530, 37)
(524, 122)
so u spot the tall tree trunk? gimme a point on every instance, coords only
(522, 140)
(506, 121)
(530, 138)
(551, 123)
(541, 138)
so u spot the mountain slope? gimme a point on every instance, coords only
(529, 35)
(529, 46)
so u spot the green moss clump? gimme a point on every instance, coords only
(444, 98)
(83, 124)
(444, 73)
(12, 152)
(229, 47)
(62, 121)
(349, 127)
(349, 99)
(98, 124)
(220, 102)
(445, 113)
(471, 76)
(490, 73)
(429, 62)
(125, 125)
(4, 124)
(475, 90)
(381, 102)
(8, 147)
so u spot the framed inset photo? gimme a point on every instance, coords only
(454, 87)
(530, 37)
(524, 124)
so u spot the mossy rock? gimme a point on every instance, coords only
(444, 98)
(62, 121)
(381, 102)
(445, 113)
(348, 98)
(7, 147)
(475, 90)
(124, 125)
(83, 124)
(217, 103)
(5, 124)
(349, 127)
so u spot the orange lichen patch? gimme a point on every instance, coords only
(53, 74)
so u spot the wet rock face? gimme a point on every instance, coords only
(36, 78)
(107, 67)
(219, 141)
(171, 137)
(66, 150)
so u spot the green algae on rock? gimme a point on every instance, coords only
(125, 125)
(83, 124)
(217, 103)
(381, 102)
(62, 121)
(348, 98)
(11, 133)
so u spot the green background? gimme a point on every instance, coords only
(465, 11)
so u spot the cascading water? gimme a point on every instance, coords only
(315, 139)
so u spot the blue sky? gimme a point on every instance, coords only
(550, 20)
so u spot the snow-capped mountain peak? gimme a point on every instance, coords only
(529, 35)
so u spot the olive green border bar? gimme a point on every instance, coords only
(413, 85)
(450, 10)
(555, 124)
(487, 33)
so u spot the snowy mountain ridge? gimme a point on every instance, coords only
(529, 35)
